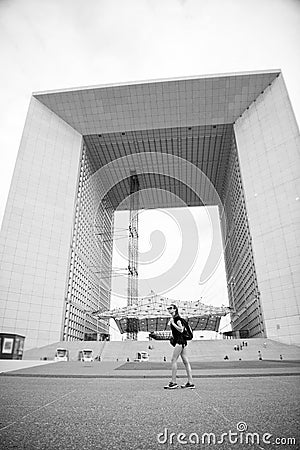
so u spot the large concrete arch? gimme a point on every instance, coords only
(228, 140)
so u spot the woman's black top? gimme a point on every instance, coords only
(177, 336)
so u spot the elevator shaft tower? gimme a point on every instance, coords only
(133, 250)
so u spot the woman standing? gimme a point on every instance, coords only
(179, 343)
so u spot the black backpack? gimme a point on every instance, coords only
(187, 332)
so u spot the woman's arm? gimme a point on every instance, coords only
(178, 326)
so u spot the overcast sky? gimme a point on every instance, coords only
(53, 44)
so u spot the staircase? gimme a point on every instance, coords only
(48, 352)
(202, 350)
(216, 350)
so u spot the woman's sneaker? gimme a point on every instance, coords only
(188, 386)
(171, 385)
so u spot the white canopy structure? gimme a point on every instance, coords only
(150, 314)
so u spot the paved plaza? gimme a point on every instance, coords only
(149, 369)
(40, 412)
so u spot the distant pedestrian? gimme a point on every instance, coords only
(281, 357)
(179, 342)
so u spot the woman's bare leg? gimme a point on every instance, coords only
(176, 352)
(187, 365)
